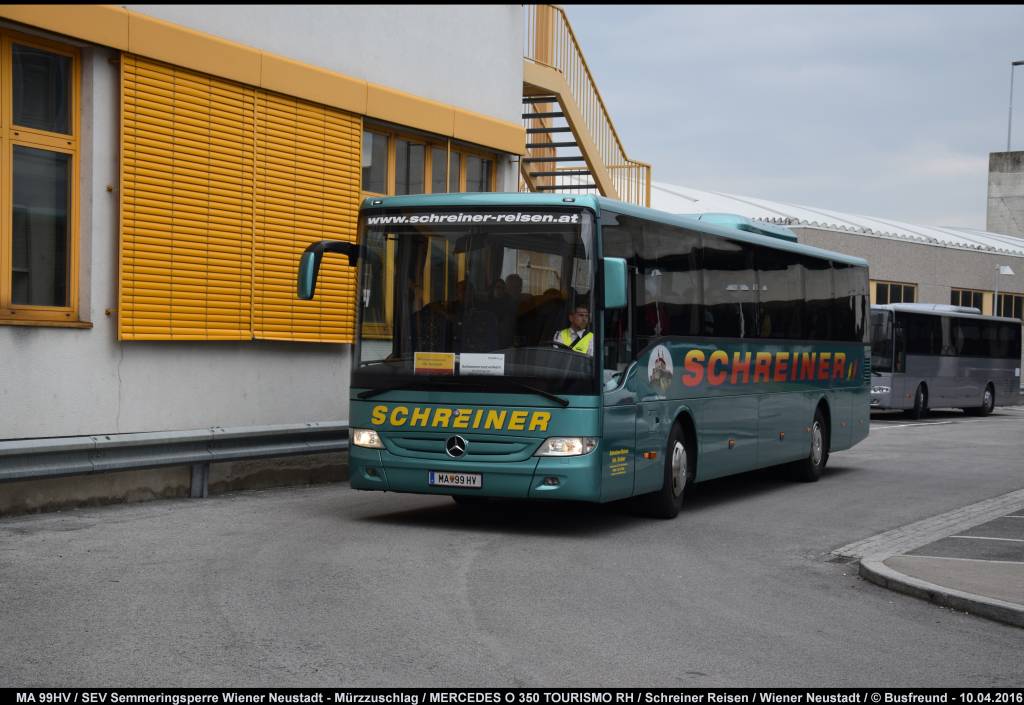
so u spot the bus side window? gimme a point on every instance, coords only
(780, 293)
(817, 298)
(730, 289)
(669, 296)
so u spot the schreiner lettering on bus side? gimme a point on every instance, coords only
(760, 367)
(440, 417)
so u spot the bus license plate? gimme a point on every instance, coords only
(454, 479)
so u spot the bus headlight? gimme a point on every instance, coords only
(562, 447)
(880, 390)
(366, 438)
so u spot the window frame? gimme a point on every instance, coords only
(12, 135)
(1012, 298)
(874, 284)
(986, 297)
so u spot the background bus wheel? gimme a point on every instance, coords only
(809, 469)
(988, 402)
(679, 474)
(920, 409)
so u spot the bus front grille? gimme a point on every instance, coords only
(479, 447)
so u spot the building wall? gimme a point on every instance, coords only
(67, 381)
(935, 270)
(1005, 193)
(82, 382)
(469, 56)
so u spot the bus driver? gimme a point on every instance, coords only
(576, 336)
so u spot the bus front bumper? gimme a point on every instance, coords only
(575, 478)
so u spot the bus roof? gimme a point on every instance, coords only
(941, 310)
(599, 204)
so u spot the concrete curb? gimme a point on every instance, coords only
(874, 570)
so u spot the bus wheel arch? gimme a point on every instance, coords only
(826, 411)
(809, 469)
(679, 472)
(685, 421)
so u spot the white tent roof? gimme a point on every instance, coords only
(683, 200)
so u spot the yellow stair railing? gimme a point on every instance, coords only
(554, 65)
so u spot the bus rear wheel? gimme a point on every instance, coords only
(920, 408)
(988, 403)
(679, 473)
(809, 469)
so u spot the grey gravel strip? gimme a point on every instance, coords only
(911, 536)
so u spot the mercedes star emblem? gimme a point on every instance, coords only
(455, 446)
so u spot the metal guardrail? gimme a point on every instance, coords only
(82, 455)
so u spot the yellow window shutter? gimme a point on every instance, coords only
(188, 145)
(307, 189)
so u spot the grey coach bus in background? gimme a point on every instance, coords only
(930, 356)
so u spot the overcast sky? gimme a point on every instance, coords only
(888, 111)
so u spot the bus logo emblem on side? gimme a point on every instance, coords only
(455, 446)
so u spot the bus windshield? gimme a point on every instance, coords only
(881, 341)
(473, 299)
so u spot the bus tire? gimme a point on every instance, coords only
(988, 403)
(920, 408)
(679, 473)
(809, 469)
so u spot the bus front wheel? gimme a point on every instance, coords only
(809, 469)
(679, 474)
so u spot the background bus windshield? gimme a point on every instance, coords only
(475, 297)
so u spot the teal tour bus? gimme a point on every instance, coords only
(549, 346)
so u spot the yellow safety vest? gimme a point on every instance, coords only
(581, 345)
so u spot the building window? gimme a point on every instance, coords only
(968, 297)
(1011, 306)
(478, 173)
(39, 143)
(894, 293)
(375, 162)
(396, 164)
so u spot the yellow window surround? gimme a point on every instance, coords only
(12, 136)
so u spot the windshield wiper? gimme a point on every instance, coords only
(478, 386)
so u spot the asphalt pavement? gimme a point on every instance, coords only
(328, 586)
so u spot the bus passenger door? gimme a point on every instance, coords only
(619, 235)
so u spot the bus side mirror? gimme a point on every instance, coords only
(614, 282)
(309, 265)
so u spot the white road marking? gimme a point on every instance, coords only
(987, 538)
(923, 423)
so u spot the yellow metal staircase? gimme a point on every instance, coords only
(571, 143)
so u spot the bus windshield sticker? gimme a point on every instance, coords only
(477, 218)
(482, 364)
(434, 363)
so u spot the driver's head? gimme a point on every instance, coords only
(580, 317)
